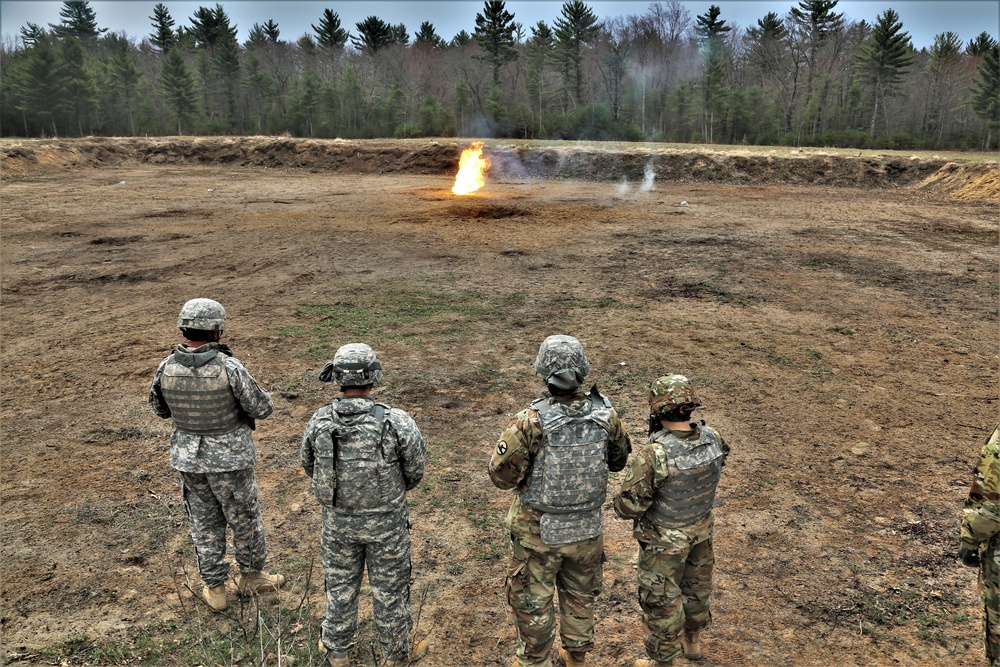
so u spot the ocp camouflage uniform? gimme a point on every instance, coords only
(564, 550)
(213, 399)
(362, 457)
(981, 534)
(668, 490)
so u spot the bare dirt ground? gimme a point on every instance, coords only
(839, 317)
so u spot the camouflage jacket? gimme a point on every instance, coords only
(647, 472)
(215, 453)
(981, 521)
(520, 443)
(402, 454)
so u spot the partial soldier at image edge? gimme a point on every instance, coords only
(978, 543)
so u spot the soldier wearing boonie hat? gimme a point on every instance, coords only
(669, 491)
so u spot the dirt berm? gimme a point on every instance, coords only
(593, 161)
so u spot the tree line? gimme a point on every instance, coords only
(810, 77)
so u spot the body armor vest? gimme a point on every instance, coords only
(569, 476)
(200, 399)
(693, 471)
(369, 474)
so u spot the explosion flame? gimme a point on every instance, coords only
(472, 168)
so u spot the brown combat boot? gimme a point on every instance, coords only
(573, 658)
(692, 645)
(215, 597)
(647, 662)
(251, 583)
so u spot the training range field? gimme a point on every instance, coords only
(842, 333)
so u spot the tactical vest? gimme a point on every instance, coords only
(693, 471)
(200, 399)
(369, 474)
(569, 477)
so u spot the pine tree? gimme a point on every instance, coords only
(882, 59)
(576, 27)
(120, 75)
(462, 38)
(31, 34)
(178, 87)
(427, 35)
(711, 31)
(399, 35)
(329, 34)
(986, 95)
(373, 34)
(41, 90)
(540, 54)
(163, 36)
(977, 47)
(78, 20)
(495, 35)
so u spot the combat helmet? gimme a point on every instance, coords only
(670, 392)
(202, 315)
(562, 362)
(354, 365)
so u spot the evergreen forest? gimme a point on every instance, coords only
(810, 77)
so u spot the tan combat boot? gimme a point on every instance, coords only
(692, 645)
(334, 662)
(418, 651)
(646, 662)
(251, 583)
(573, 658)
(215, 597)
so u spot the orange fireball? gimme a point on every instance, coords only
(471, 170)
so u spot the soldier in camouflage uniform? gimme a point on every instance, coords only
(669, 491)
(557, 454)
(362, 457)
(214, 401)
(980, 537)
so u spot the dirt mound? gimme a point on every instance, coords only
(594, 162)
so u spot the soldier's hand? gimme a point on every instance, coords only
(968, 557)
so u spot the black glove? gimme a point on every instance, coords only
(969, 557)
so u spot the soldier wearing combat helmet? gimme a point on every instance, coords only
(669, 492)
(214, 403)
(363, 456)
(556, 455)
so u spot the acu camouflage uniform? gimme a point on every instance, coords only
(560, 549)
(668, 491)
(362, 457)
(981, 534)
(213, 401)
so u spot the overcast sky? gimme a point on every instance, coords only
(922, 19)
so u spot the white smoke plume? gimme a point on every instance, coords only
(648, 177)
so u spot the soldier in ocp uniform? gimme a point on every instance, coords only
(363, 457)
(980, 536)
(669, 492)
(214, 402)
(557, 454)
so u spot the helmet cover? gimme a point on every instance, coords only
(562, 362)
(354, 365)
(669, 392)
(203, 315)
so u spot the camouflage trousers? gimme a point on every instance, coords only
(215, 500)
(380, 543)
(989, 595)
(675, 581)
(535, 572)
